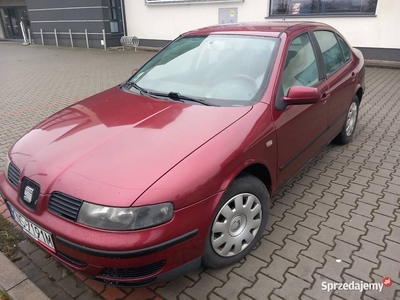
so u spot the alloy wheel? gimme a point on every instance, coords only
(351, 119)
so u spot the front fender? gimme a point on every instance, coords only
(211, 168)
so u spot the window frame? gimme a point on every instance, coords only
(318, 14)
(338, 37)
(180, 2)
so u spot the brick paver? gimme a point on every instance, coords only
(338, 220)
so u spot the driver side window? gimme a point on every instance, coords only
(300, 66)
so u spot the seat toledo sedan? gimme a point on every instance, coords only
(175, 167)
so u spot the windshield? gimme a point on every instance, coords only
(221, 69)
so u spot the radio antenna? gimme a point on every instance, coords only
(287, 10)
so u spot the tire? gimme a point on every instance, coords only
(349, 126)
(244, 209)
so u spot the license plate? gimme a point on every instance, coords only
(39, 234)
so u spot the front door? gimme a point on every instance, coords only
(299, 128)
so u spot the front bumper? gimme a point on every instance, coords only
(133, 258)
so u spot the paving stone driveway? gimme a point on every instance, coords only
(337, 221)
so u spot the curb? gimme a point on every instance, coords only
(16, 284)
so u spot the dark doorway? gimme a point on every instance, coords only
(10, 20)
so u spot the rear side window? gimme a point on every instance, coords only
(330, 49)
(345, 48)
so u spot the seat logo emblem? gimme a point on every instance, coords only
(28, 193)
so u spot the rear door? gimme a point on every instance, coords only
(299, 128)
(341, 78)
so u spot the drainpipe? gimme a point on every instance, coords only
(122, 3)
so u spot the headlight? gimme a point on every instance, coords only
(125, 218)
(8, 161)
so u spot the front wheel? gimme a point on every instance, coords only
(347, 132)
(238, 224)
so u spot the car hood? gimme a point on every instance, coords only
(111, 147)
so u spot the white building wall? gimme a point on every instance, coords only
(165, 22)
(381, 31)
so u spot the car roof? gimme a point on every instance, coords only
(273, 29)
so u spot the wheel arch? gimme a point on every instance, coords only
(259, 171)
(359, 93)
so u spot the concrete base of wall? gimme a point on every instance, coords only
(153, 43)
(380, 53)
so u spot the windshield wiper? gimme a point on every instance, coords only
(130, 84)
(178, 97)
(171, 95)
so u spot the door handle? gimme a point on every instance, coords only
(324, 97)
(353, 76)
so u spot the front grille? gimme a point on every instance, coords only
(13, 174)
(64, 205)
(127, 284)
(132, 272)
(29, 193)
(72, 260)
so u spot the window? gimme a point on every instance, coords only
(300, 66)
(345, 48)
(330, 49)
(115, 16)
(321, 7)
(221, 69)
(158, 2)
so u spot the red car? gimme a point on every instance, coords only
(176, 166)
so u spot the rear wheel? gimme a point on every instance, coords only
(238, 224)
(345, 136)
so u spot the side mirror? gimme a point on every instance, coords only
(298, 95)
(134, 71)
